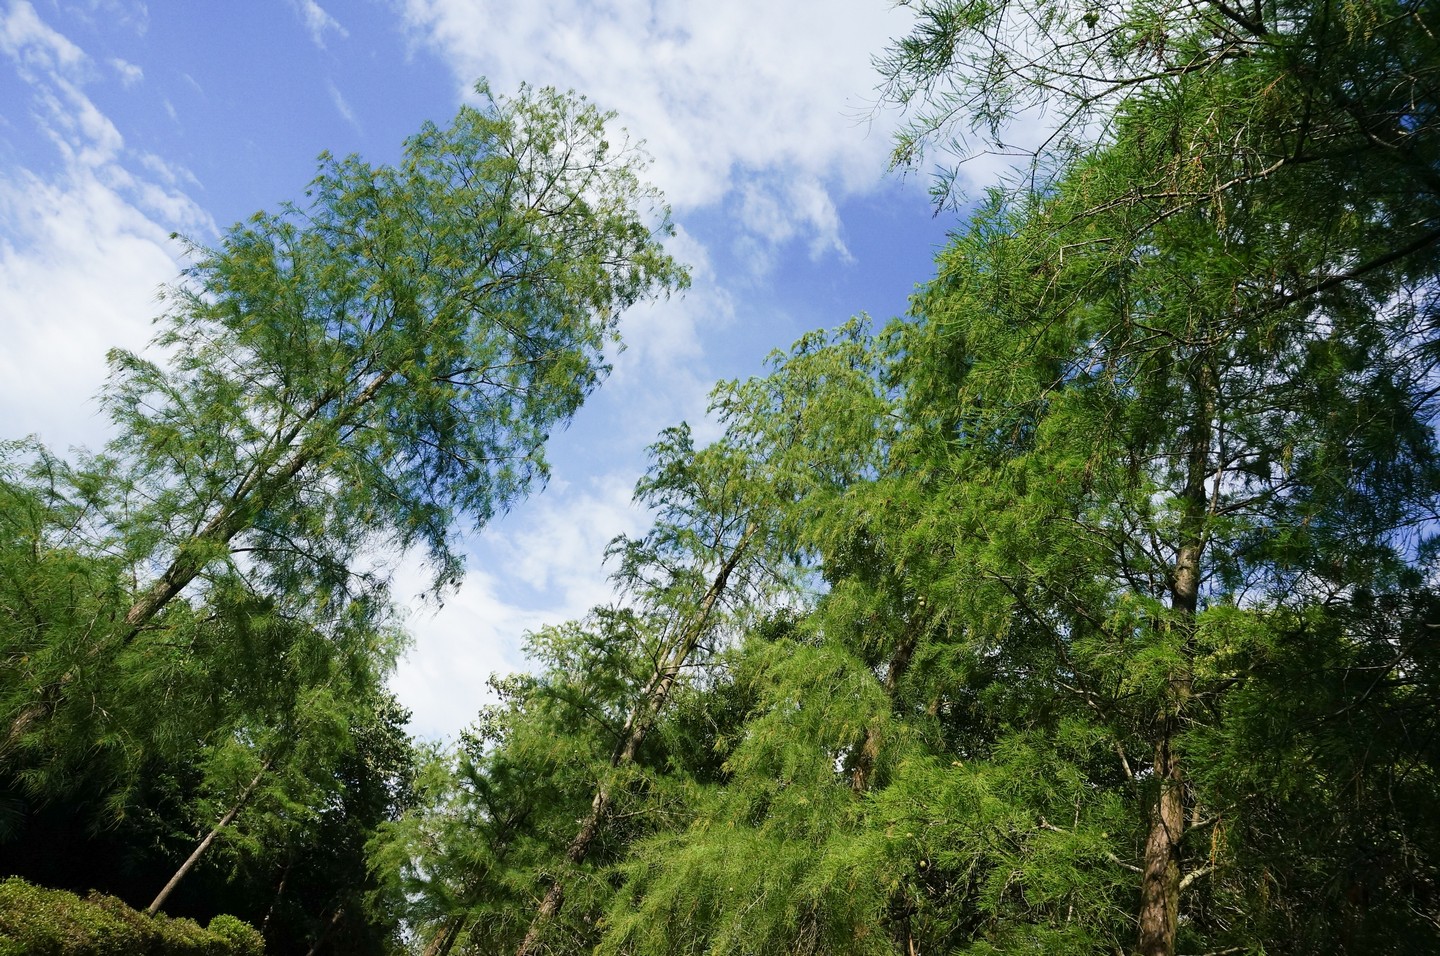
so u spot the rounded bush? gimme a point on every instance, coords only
(35, 921)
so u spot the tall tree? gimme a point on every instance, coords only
(387, 361)
(731, 516)
(766, 854)
(707, 545)
(377, 368)
(1271, 334)
(499, 813)
(1149, 438)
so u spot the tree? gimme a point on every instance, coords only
(768, 853)
(706, 546)
(1327, 96)
(388, 361)
(1263, 313)
(499, 812)
(718, 557)
(195, 622)
(731, 528)
(1151, 442)
(373, 370)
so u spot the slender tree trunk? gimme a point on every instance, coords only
(637, 726)
(279, 892)
(899, 663)
(1159, 916)
(215, 831)
(1160, 887)
(330, 925)
(441, 943)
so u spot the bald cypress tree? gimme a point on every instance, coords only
(378, 367)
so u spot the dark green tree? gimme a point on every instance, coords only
(1256, 234)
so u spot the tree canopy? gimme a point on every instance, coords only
(1089, 608)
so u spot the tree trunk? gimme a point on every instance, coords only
(637, 726)
(899, 664)
(275, 900)
(1160, 886)
(549, 906)
(441, 943)
(330, 925)
(1159, 916)
(209, 839)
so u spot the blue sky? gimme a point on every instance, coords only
(123, 121)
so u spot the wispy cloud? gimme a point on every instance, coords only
(341, 106)
(318, 21)
(133, 15)
(129, 73)
(82, 249)
(25, 38)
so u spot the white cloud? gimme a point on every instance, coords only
(318, 21)
(725, 94)
(169, 173)
(55, 68)
(134, 15)
(550, 553)
(563, 534)
(666, 334)
(82, 251)
(79, 269)
(129, 73)
(778, 211)
(456, 650)
(35, 46)
(341, 106)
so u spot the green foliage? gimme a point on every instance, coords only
(195, 628)
(1094, 598)
(39, 922)
(1139, 496)
(383, 364)
(241, 936)
(376, 369)
(1314, 99)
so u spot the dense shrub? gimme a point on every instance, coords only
(40, 922)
